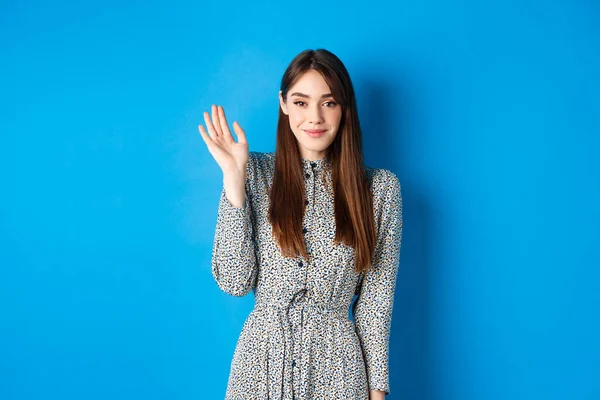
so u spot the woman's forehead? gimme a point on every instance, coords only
(310, 84)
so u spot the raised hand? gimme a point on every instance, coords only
(232, 157)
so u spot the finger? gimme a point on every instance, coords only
(216, 122)
(241, 135)
(224, 126)
(204, 135)
(211, 129)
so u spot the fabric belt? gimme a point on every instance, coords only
(307, 306)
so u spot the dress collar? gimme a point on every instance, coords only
(315, 165)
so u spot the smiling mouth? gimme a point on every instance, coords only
(313, 131)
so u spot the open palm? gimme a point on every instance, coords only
(232, 157)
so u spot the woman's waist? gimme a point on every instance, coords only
(302, 300)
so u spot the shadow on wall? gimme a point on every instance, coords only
(388, 122)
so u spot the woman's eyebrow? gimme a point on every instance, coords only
(308, 97)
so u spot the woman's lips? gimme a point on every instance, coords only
(315, 132)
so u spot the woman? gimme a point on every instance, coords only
(306, 228)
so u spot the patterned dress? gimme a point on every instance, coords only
(299, 342)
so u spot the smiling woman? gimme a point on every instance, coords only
(306, 228)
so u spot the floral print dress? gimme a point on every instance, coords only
(299, 342)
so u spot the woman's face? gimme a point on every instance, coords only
(313, 113)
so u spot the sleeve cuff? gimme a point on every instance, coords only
(231, 212)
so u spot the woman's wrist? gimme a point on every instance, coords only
(235, 189)
(376, 395)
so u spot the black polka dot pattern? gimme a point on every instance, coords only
(299, 342)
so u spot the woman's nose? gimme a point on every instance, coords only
(315, 115)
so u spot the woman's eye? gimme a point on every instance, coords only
(299, 103)
(331, 104)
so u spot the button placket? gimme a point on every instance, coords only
(309, 194)
(296, 320)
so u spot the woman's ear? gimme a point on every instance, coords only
(282, 104)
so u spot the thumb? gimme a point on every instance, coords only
(241, 135)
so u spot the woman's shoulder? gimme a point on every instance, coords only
(261, 159)
(261, 156)
(382, 178)
(260, 164)
(385, 187)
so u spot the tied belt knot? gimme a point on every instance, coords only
(303, 301)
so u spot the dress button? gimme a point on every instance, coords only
(304, 230)
(307, 175)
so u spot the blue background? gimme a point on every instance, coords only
(489, 114)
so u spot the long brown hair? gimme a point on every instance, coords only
(353, 203)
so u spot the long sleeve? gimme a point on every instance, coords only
(234, 266)
(373, 307)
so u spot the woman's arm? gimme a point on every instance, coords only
(233, 258)
(373, 307)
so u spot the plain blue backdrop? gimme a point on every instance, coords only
(489, 113)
